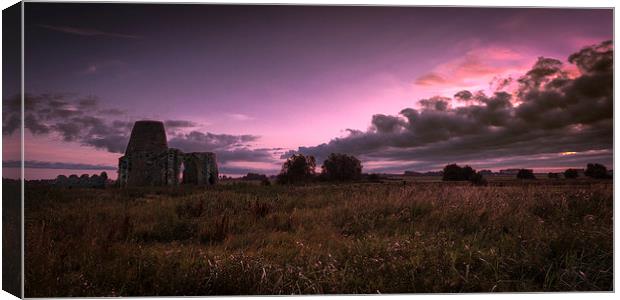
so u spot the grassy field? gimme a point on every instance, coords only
(353, 238)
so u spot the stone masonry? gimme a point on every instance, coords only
(149, 162)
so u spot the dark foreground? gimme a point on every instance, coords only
(356, 238)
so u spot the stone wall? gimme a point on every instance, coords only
(200, 168)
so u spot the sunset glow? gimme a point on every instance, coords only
(365, 81)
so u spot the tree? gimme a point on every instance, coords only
(552, 175)
(571, 173)
(341, 167)
(525, 174)
(297, 168)
(453, 172)
(597, 171)
(468, 173)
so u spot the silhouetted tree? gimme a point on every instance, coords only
(341, 167)
(552, 175)
(453, 172)
(597, 171)
(525, 174)
(468, 172)
(297, 168)
(571, 173)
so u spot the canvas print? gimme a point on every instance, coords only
(201, 149)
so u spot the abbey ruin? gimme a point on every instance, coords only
(149, 162)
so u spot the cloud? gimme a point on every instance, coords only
(550, 113)
(35, 164)
(430, 79)
(89, 32)
(227, 147)
(83, 120)
(179, 124)
(477, 64)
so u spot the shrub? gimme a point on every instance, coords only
(341, 167)
(254, 176)
(571, 173)
(454, 172)
(597, 171)
(297, 168)
(478, 179)
(552, 175)
(468, 173)
(525, 174)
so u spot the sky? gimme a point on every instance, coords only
(401, 88)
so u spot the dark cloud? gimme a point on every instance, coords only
(179, 124)
(88, 102)
(84, 121)
(463, 95)
(549, 113)
(435, 103)
(227, 147)
(386, 124)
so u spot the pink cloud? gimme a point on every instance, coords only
(477, 66)
(430, 79)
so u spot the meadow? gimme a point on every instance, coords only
(363, 238)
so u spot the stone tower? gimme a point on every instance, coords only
(147, 136)
(149, 162)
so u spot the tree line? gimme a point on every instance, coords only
(300, 168)
(339, 167)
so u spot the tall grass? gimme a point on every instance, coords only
(354, 238)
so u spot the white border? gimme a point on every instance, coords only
(503, 3)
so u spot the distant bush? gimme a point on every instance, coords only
(297, 169)
(597, 171)
(254, 176)
(341, 167)
(552, 175)
(525, 174)
(478, 179)
(84, 181)
(454, 172)
(374, 177)
(571, 173)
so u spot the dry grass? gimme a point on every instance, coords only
(355, 238)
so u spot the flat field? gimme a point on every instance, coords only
(391, 237)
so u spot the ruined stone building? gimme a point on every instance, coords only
(149, 162)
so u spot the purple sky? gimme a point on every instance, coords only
(252, 83)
